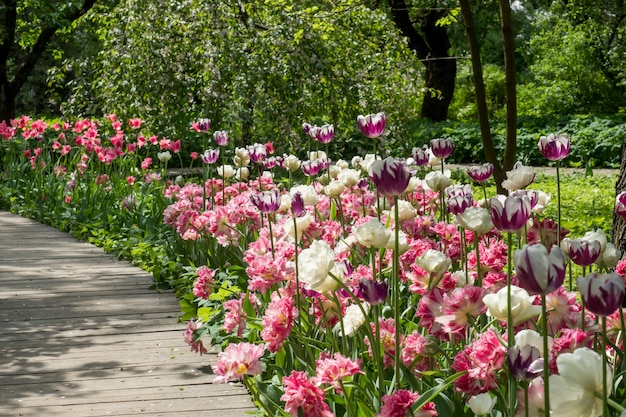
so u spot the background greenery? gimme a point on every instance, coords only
(260, 68)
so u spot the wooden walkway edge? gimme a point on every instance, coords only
(81, 334)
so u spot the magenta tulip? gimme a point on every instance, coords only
(554, 147)
(372, 125)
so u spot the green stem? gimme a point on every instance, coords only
(546, 358)
(269, 224)
(510, 326)
(558, 199)
(605, 391)
(396, 290)
(479, 272)
(295, 238)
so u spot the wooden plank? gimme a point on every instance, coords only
(84, 336)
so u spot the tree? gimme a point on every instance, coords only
(428, 37)
(27, 27)
(256, 68)
(479, 86)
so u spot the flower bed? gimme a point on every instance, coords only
(375, 287)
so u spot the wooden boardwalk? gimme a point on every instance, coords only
(82, 334)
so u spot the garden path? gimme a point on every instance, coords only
(83, 335)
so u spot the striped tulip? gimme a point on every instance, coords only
(602, 294)
(538, 271)
(509, 214)
(267, 201)
(480, 173)
(390, 176)
(442, 147)
(372, 125)
(554, 147)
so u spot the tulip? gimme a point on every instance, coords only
(601, 294)
(533, 196)
(480, 173)
(297, 205)
(315, 264)
(221, 137)
(372, 125)
(325, 133)
(310, 168)
(257, 152)
(476, 219)
(210, 156)
(441, 147)
(437, 181)
(610, 257)
(458, 198)
(509, 214)
(598, 235)
(524, 362)
(390, 176)
(578, 388)
(420, 156)
(537, 271)
(581, 252)
(519, 177)
(204, 124)
(374, 292)
(434, 262)
(620, 204)
(554, 147)
(267, 201)
(522, 307)
(164, 156)
(291, 163)
(482, 404)
(372, 234)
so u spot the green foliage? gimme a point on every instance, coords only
(257, 69)
(570, 71)
(586, 202)
(596, 141)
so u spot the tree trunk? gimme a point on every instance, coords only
(619, 224)
(499, 174)
(11, 85)
(7, 101)
(511, 83)
(431, 44)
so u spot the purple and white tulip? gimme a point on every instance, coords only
(257, 152)
(480, 173)
(582, 252)
(372, 125)
(210, 156)
(441, 147)
(554, 147)
(420, 156)
(267, 201)
(620, 205)
(602, 294)
(220, 137)
(390, 176)
(374, 292)
(509, 214)
(538, 271)
(325, 133)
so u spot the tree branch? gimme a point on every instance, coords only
(33, 55)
